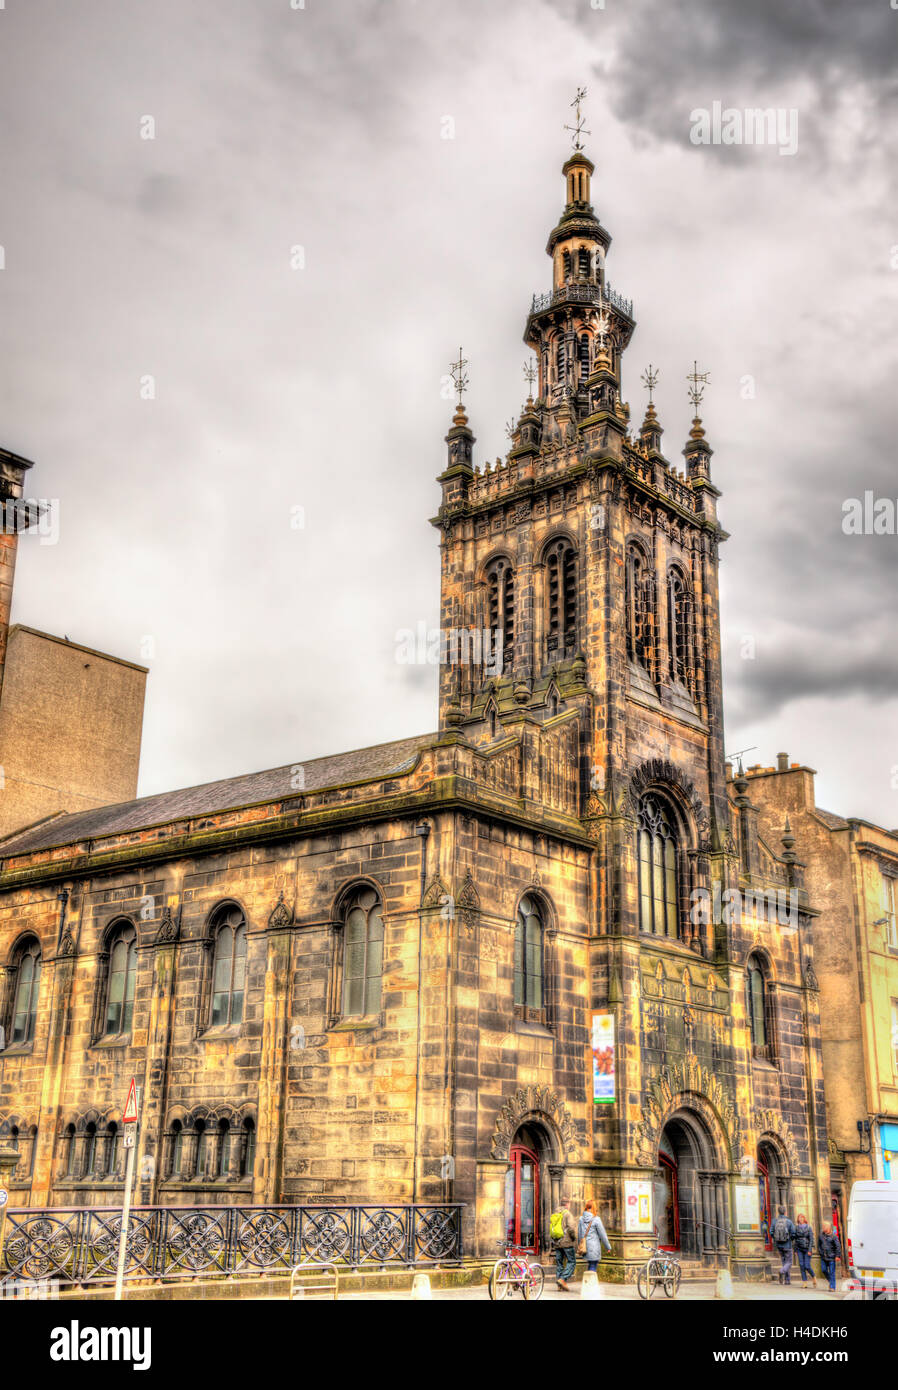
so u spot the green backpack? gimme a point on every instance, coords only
(556, 1225)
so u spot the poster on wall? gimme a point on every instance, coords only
(748, 1208)
(603, 1059)
(638, 1206)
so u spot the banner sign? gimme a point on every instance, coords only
(603, 1059)
(748, 1208)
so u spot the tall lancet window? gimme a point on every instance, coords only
(500, 602)
(680, 624)
(584, 263)
(561, 599)
(657, 857)
(640, 609)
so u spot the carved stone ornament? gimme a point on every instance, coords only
(168, 929)
(771, 1122)
(540, 1103)
(661, 772)
(810, 976)
(687, 1083)
(280, 915)
(67, 944)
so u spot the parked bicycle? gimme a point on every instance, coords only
(515, 1271)
(662, 1268)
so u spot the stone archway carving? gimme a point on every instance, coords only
(542, 1104)
(661, 771)
(691, 1086)
(772, 1123)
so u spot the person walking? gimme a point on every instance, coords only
(563, 1231)
(783, 1236)
(591, 1236)
(804, 1241)
(830, 1250)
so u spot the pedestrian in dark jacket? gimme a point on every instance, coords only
(783, 1234)
(830, 1251)
(804, 1242)
(565, 1246)
(591, 1236)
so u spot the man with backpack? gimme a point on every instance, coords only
(783, 1235)
(563, 1231)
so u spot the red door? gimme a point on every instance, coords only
(667, 1205)
(764, 1199)
(522, 1200)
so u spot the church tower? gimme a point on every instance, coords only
(587, 564)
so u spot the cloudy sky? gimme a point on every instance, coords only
(257, 530)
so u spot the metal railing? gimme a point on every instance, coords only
(80, 1245)
(583, 294)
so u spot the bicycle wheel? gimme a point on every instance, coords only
(534, 1284)
(672, 1276)
(501, 1280)
(645, 1284)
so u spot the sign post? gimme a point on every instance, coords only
(130, 1121)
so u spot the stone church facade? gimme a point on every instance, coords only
(379, 977)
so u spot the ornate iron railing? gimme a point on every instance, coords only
(80, 1245)
(585, 294)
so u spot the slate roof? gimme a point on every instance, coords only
(831, 819)
(362, 765)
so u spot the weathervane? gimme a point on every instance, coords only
(650, 379)
(530, 374)
(578, 129)
(510, 428)
(459, 375)
(699, 382)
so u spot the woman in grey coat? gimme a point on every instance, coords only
(591, 1231)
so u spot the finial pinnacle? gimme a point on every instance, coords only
(530, 375)
(650, 380)
(578, 129)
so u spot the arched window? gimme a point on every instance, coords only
(112, 1140)
(224, 1148)
(566, 264)
(248, 1149)
(27, 968)
(559, 360)
(363, 953)
(176, 1155)
(228, 966)
(90, 1158)
(500, 601)
(121, 979)
(528, 957)
(679, 628)
(32, 1135)
(561, 599)
(658, 907)
(758, 1008)
(584, 263)
(71, 1152)
(640, 608)
(584, 356)
(202, 1149)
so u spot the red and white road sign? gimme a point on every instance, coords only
(130, 1115)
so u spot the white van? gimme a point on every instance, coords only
(873, 1236)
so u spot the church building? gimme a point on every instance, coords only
(542, 953)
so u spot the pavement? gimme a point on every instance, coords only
(693, 1290)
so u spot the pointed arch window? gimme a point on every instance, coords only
(91, 1141)
(529, 959)
(566, 264)
(561, 599)
(202, 1150)
(71, 1151)
(658, 878)
(228, 966)
(224, 1148)
(176, 1153)
(363, 953)
(584, 263)
(584, 356)
(501, 605)
(248, 1149)
(121, 980)
(560, 361)
(27, 967)
(640, 609)
(680, 628)
(112, 1147)
(759, 1008)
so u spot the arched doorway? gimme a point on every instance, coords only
(527, 1190)
(691, 1201)
(772, 1187)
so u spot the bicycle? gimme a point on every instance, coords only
(513, 1270)
(662, 1268)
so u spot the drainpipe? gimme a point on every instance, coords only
(422, 829)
